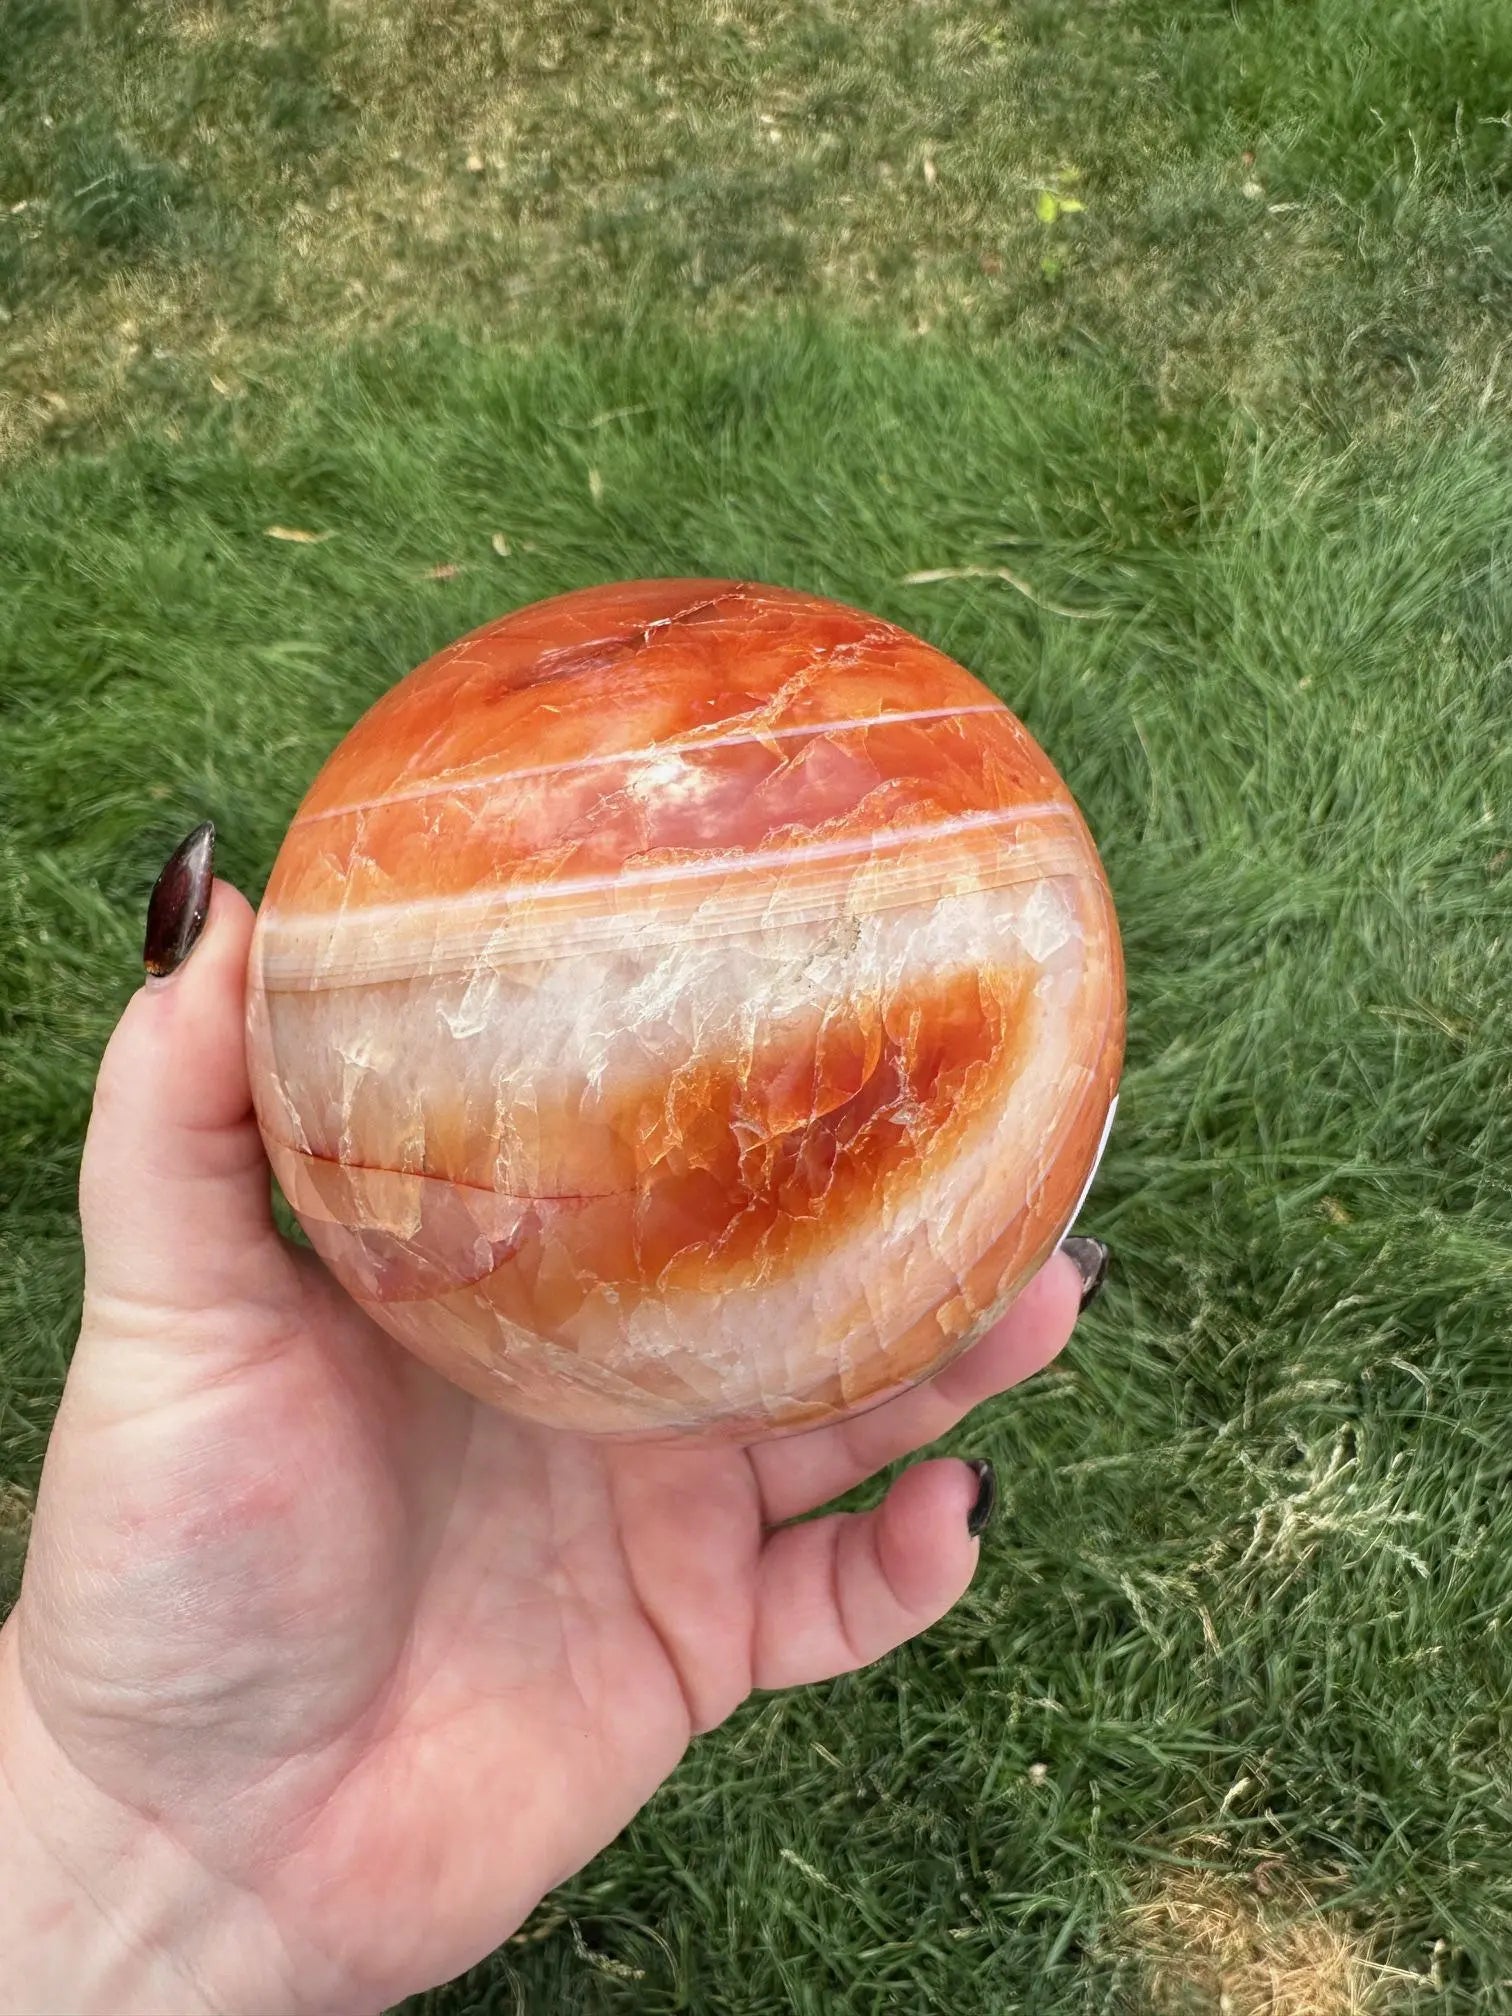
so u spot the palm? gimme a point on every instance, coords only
(384, 1662)
(440, 1627)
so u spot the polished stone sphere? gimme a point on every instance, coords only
(686, 1008)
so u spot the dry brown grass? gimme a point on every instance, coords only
(485, 168)
(15, 1529)
(1216, 1945)
(493, 170)
(15, 1510)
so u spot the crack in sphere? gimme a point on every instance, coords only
(686, 1008)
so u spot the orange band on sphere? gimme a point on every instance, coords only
(686, 1007)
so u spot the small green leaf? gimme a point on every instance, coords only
(1069, 204)
(1047, 207)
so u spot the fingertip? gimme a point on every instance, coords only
(229, 905)
(177, 1056)
(224, 935)
(984, 1505)
(1030, 1335)
(927, 1551)
(179, 902)
(837, 1593)
(1091, 1259)
(1057, 1290)
(202, 1002)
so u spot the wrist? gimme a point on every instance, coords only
(100, 1910)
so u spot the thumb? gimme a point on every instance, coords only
(173, 1192)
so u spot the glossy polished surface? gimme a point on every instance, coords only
(686, 1006)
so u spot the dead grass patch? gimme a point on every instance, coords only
(16, 1504)
(1256, 1946)
(16, 1507)
(338, 171)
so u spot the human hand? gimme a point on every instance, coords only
(322, 1673)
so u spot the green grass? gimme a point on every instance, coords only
(1250, 1601)
(1288, 207)
(1257, 1527)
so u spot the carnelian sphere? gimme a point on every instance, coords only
(686, 1007)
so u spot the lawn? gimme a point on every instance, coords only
(1192, 318)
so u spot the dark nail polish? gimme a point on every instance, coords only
(985, 1503)
(1092, 1258)
(179, 903)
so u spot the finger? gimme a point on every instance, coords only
(803, 1471)
(174, 1193)
(834, 1594)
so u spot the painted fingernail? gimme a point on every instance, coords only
(180, 903)
(985, 1503)
(1091, 1258)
